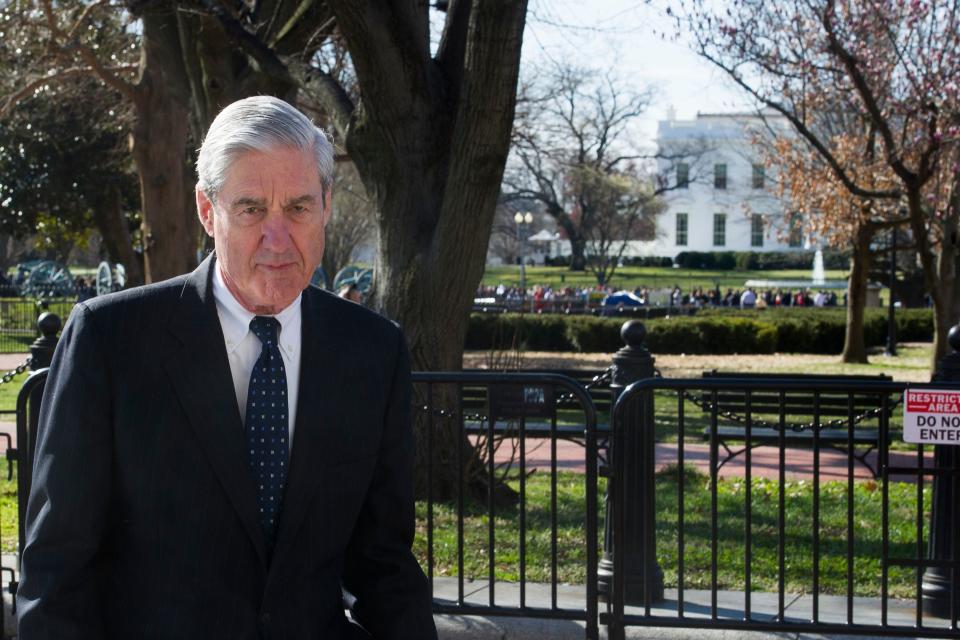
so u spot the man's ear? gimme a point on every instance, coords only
(205, 211)
(327, 205)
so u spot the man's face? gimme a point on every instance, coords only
(268, 226)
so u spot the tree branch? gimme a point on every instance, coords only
(262, 56)
(64, 46)
(453, 44)
(333, 98)
(20, 94)
(804, 131)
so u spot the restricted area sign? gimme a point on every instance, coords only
(931, 416)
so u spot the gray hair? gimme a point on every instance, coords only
(257, 124)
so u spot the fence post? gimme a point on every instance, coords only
(631, 363)
(41, 351)
(938, 582)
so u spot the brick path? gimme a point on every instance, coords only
(765, 463)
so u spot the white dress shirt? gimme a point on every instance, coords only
(243, 347)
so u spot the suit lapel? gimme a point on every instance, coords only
(320, 433)
(201, 376)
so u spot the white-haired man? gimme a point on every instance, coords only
(220, 453)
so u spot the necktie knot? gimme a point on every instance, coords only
(266, 329)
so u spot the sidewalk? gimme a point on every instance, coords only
(765, 460)
(730, 605)
(696, 603)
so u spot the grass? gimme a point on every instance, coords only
(730, 534)
(797, 539)
(9, 391)
(652, 277)
(8, 511)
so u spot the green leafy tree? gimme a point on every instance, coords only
(64, 172)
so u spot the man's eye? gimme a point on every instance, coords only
(251, 211)
(298, 208)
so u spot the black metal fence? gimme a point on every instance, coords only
(494, 420)
(738, 527)
(18, 320)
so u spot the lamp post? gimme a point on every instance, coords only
(891, 318)
(523, 219)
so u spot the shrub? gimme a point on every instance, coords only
(710, 331)
(722, 260)
(747, 260)
(649, 261)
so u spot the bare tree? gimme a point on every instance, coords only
(572, 152)
(896, 65)
(352, 222)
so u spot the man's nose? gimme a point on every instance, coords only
(275, 232)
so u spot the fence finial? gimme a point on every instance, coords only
(41, 351)
(633, 333)
(953, 337)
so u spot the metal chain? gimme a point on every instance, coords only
(10, 375)
(605, 377)
(793, 426)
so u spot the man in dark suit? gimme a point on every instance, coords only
(218, 454)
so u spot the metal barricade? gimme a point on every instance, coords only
(479, 412)
(748, 524)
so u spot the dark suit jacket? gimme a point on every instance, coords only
(142, 518)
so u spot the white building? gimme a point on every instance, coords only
(724, 200)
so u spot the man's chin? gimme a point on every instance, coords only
(278, 295)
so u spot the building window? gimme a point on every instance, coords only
(720, 176)
(683, 175)
(719, 229)
(756, 230)
(795, 239)
(681, 229)
(759, 176)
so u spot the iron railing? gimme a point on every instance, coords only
(483, 409)
(686, 607)
(18, 320)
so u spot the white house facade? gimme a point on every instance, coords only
(722, 197)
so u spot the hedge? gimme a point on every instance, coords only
(711, 331)
(762, 261)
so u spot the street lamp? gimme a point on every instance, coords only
(523, 219)
(891, 317)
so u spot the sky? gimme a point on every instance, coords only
(625, 34)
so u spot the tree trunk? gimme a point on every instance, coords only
(430, 139)
(159, 146)
(854, 345)
(113, 228)
(578, 260)
(945, 314)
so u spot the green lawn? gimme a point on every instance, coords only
(652, 277)
(9, 391)
(731, 534)
(8, 511)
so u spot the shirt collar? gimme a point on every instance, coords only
(235, 319)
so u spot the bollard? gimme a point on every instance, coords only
(938, 582)
(631, 363)
(41, 351)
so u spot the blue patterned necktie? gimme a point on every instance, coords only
(267, 427)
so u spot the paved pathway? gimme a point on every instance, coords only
(697, 607)
(765, 460)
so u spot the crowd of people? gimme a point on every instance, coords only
(543, 297)
(750, 298)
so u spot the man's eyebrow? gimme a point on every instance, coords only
(244, 201)
(304, 199)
